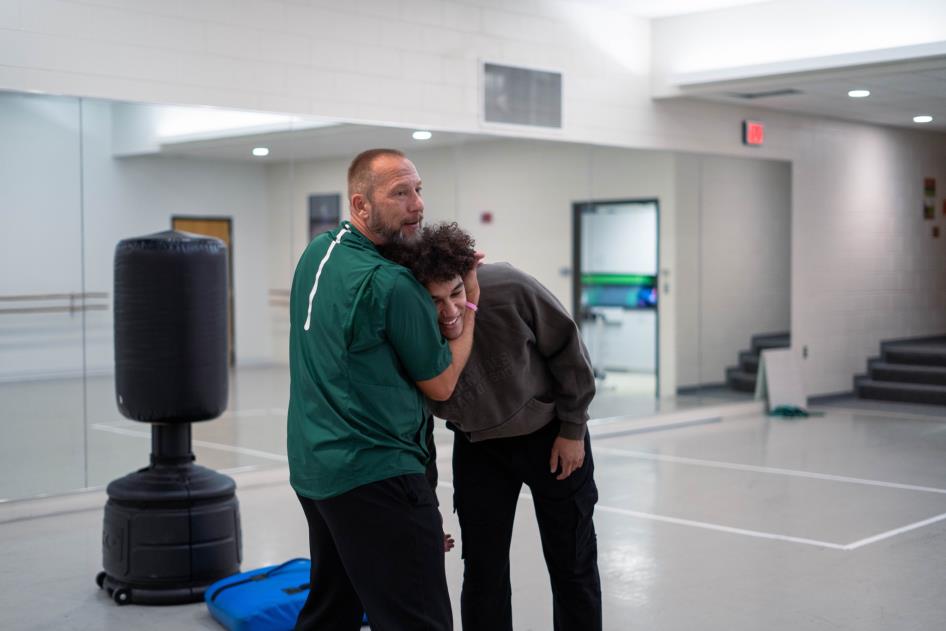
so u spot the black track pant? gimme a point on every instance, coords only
(487, 479)
(378, 549)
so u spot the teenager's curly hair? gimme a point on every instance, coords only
(443, 252)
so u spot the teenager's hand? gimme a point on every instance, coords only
(569, 453)
(448, 542)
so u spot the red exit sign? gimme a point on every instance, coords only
(753, 133)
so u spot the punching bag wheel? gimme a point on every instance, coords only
(121, 596)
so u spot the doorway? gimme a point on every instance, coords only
(221, 228)
(615, 291)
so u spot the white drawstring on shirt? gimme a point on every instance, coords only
(315, 285)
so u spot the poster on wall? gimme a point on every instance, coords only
(324, 213)
(929, 198)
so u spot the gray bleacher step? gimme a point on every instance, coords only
(768, 341)
(922, 354)
(739, 380)
(743, 376)
(868, 388)
(938, 340)
(749, 362)
(880, 370)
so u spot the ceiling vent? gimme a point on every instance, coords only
(521, 96)
(749, 96)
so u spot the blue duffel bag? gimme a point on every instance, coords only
(267, 599)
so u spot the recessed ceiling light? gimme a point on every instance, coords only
(858, 94)
(260, 152)
(422, 135)
(925, 118)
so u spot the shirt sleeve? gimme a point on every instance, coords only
(559, 341)
(412, 330)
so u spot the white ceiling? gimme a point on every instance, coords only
(336, 141)
(899, 91)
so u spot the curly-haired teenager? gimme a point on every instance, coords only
(519, 416)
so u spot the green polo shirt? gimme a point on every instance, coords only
(355, 415)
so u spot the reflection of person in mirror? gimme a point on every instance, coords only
(519, 415)
(365, 350)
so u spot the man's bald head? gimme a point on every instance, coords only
(361, 176)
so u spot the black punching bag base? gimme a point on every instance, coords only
(170, 532)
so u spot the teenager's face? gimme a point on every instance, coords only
(450, 299)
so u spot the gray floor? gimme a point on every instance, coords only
(740, 523)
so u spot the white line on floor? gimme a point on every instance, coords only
(244, 413)
(894, 532)
(121, 431)
(641, 515)
(696, 524)
(245, 451)
(242, 450)
(883, 414)
(670, 417)
(717, 527)
(643, 429)
(751, 533)
(758, 469)
(239, 470)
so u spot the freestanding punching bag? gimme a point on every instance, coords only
(172, 528)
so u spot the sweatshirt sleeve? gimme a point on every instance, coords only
(559, 342)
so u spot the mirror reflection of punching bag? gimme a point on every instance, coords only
(172, 528)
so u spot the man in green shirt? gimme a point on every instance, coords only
(365, 349)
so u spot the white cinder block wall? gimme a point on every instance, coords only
(865, 266)
(415, 63)
(412, 62)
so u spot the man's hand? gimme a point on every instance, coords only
(448, 542)
(472, 286)
(570, 453)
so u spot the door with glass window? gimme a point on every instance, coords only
(615, 291)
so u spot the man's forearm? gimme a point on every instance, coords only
(441, 387)
(461, 348)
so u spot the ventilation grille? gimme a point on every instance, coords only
(764, 95)
(521, 96)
